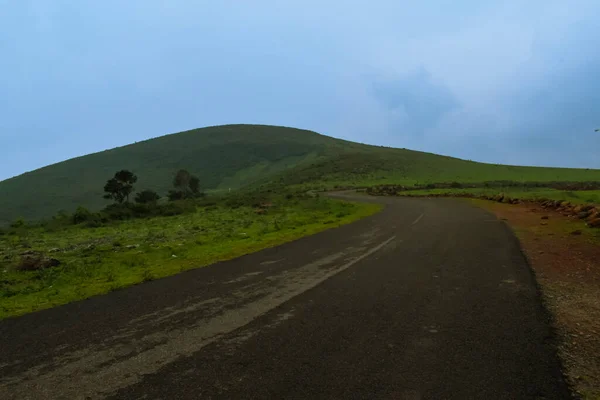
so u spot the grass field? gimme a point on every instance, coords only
(576, 197)
(120, 254)
(248, 156)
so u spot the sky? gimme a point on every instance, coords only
(513, 81)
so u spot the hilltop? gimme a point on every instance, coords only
(235, 156)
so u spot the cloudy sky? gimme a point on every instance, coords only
(513, 82)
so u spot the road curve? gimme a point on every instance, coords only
(428, 299)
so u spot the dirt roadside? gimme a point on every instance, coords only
(565, 256)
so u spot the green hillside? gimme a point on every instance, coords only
(235, 156)
(371, 165)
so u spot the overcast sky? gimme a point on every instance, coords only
(508, 81)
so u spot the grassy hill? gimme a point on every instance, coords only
(235, 156)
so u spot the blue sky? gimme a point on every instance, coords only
(509, 82)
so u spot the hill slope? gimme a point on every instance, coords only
(234, 156)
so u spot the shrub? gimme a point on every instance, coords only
(95, 222)
(18, 223)
(118, 212)
(82, 214)
(175, 195)
(147, 197)
(177, 208)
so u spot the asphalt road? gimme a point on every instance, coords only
(429, 299)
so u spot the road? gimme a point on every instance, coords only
(428, 299)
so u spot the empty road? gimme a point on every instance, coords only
(428, 299)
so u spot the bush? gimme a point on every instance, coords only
(95, 222)
(177, 208)
(82, 214)
(118, 212)
(246, 200)
(175, 195)
(18, 223)
(147, 197)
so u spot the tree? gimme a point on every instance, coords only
(147, 197)
(186, 186)
(174, 195)
(120, 186)
(114, 191)
(194, 185)
(182, 180)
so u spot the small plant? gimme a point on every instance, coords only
(110, 276)
(147, 275)
(130, 262)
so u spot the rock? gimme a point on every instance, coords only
(588, 207)
(543, 223)
(576, 233)
(132, 246)
(592, 216)
(583, 214)
(577, 209)
(54, 250)
(545, 217)
(594, 223)
(37, 262)
(52, 262)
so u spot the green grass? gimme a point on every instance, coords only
(99, 260)
(246, 156)
(575, 197)
(371, 166)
